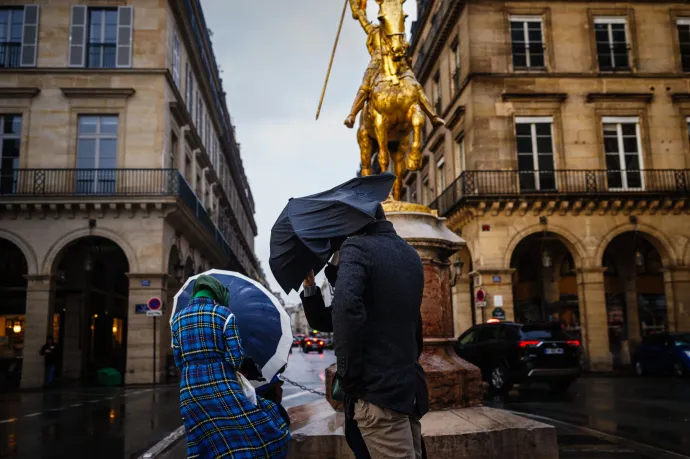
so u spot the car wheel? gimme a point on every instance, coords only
(639, 371)
(559, 387)
(678, 370)
(499, 379)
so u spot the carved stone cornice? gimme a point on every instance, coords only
(474, 208)
(644, 97)
(98, 93)
(70, 208)
(19, 93)
(534, 97)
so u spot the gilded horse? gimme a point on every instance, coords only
(393, 118)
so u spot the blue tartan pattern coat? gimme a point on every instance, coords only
(219, 420)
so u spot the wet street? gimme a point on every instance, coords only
(117, 423)
(622, 417)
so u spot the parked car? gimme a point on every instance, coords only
(664, 353)
(312, 344)
(508, 353)
(297, 340)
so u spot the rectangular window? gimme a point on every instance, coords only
(10, 139)
(440, 176)
(436, 93)
(173, 152)
(623, 152)
(460, 155)
(102, 41)
(176, 60)
(612, 43)
(527, 41)
(11, 25)
(534, 138)
(96, 154)
(198, 112)
(455, 67)
(101, 37)
(18, 36)
(412, 190)
(190, 91)
(683, 25)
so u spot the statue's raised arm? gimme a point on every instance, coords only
(359, 12)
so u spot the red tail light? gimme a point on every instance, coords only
(574, 343)
(524, 344)
(308, 342)
(321, 343)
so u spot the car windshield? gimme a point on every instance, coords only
(542, 333)
(682, 340)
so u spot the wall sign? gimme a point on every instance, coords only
(496, 279)
(146, 283)
(141, 308)
(498, 313)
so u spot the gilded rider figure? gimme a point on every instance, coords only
(373, 69)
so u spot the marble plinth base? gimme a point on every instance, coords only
(477, 433)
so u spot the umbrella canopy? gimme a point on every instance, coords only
(310, 229)
(263, 324)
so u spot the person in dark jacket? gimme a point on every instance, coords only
(377, 332)
(49, 351)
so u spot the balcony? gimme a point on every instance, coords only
(115, 186)
(574, 189)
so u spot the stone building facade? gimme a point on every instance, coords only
(564, 164)
(120, 177)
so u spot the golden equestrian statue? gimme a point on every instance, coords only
(390, 98)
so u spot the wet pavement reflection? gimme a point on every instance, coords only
(651, 411)
(105, 423)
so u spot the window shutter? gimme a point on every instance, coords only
(30, 36)
(77, 37)
(125, 23)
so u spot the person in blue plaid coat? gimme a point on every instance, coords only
(219, 420)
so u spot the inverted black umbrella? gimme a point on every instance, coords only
(310, 229)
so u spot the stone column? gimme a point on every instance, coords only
(488, 280)
(38, 324)
(593, 318)
(181, 150)
(140, 350)
(677, 289)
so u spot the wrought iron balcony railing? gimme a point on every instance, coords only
(576, 183)
(110, 183)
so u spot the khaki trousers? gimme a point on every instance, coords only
(387, 433)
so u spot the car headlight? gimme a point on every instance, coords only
(687, 353)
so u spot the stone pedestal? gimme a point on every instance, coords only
(479, 433)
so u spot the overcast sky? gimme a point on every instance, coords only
(274, 56)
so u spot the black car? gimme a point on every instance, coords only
(310, 343)
(508, 353)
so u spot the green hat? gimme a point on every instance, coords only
(210, 287)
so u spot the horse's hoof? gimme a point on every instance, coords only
(413, 165)
(438, 121)
(366, 172)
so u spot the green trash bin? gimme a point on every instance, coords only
(109, 377)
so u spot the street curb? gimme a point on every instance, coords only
(165, 444)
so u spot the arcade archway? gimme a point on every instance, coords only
(635, 293)
(91, 299)
(544, 282)
(13, 283)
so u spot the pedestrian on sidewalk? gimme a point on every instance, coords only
(219, 418)
(376, 321)
(49, 351)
